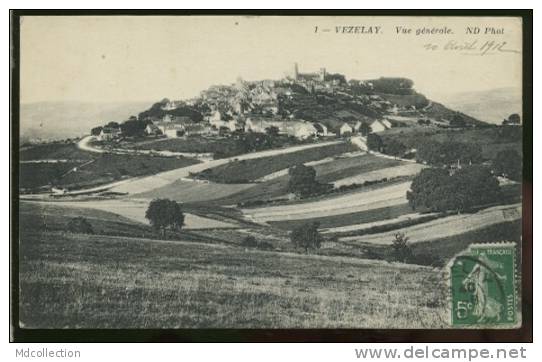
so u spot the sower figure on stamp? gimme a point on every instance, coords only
(477, 282)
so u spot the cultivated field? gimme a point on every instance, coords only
(332, 170)
(410, 169)
(327, 222)
(244, 171)
(349, 203)
(133, 210)
(145, 184)
(81, 281)
(194, 191)
(445, 226)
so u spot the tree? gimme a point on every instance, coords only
(437, 190)
(449, 153)
(96, 131)
(513, 119)
(303, 182)
(272, 131)
(249, 241)
(424, 185)
(133, 128)
(374, 142)
(306, 236)
(508, 163)
(80, 225)
(401, 251)
(164, 213)
(395, 148)
(113, 124)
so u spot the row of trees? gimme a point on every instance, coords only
(435, 189)
(448, 153)
(132, 127)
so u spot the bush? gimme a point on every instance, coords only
(400, 250)
(249, 241)
(306, 236)
(80, 225)
(508, 163)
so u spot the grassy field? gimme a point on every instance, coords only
(91, 169)
(347, 167)
(326, 172)
(54, 151)
(244, 171)
(439, 251)
(348, 219)
(190, 191)
(189, 144)
(47, 216)
(112, 167)
(82, 281)
(34, 175)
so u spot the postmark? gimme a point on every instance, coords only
(483, 287)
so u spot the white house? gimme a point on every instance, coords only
(346, 129)
(378, 126)
(152, 129)
(301, 130)
(170, 130)
(108, 133)
(386, 123)
(196, 129)
(261, 124)
(215, 119)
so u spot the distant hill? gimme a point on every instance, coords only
(491, 106)
(59, 120)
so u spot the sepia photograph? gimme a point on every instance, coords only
(244, 171)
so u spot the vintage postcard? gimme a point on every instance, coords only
(270, 172)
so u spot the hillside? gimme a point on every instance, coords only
(123, 282)
(490, 106)
(331, 101)
(60, 120)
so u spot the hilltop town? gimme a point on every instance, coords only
(301, 105)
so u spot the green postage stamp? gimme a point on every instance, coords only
(484, 287)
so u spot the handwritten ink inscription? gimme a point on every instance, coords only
(474, 47)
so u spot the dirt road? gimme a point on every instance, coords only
(152, 182)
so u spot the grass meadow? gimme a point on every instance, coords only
(96, 281)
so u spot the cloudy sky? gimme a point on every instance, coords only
(116, 59)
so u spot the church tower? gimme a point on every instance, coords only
(322, 74)
(296, 71)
